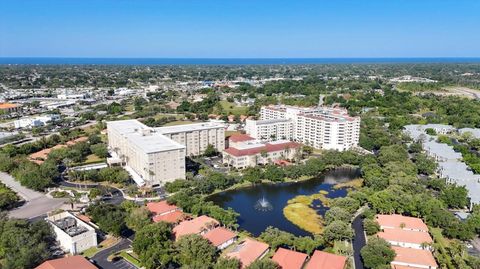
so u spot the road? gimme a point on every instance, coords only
(101, 258)
(117, 196)
(358, 241)
(36, 203)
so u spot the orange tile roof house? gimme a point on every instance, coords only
(406, 238)
(199, 225)
(9, 107)
(413, 258)
(221, 237)
(248, 251)
(402, 222)
(72, 262)
(325, 260)
(289, 259)
(173, 217)
(161, 208)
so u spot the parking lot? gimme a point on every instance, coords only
(123, 264)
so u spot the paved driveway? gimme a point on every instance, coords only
(101, 258)
(36, 203)
(358, 241)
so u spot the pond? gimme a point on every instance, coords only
(245, 201)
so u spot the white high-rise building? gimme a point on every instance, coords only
(154, 156)
(319, 127)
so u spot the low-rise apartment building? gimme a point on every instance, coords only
(154, 156)
(73, 234)
(253, 152)
(409, 238)
(319, 127)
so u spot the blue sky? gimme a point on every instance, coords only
(239, 28)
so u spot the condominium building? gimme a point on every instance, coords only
(154, 156)
(196, 137)
(319, 127)
(73, 234)
(270, 130)
(250, 153)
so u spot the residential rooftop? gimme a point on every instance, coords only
(325, 260)
(248, 251)
(411, 256)
(289, 259)
(219, 235)
(71, 262)
(195, 226)
(189, 127)
(402, 222)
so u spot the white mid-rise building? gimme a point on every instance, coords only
(319, 127)
(73, 234)
(270, 130)
(154, 156)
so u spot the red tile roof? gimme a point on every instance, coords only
(173, 217)
(324, 260)
(240, 138)
(267, 147)
(8, 105)
(399, 221)
(248, 251)
(161, 207)
(289, 259)
(72, 262)
(413, 256)
(194, 226)
(405, 236)
(219, 235)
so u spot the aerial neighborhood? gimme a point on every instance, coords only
(368, 166)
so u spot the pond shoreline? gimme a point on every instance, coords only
(243, 198)
(244, 185)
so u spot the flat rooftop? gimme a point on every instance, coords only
(189, 127)
(154, 142)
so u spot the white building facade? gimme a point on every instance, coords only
(39, 121)
(154, 156)
(73, 235)
(319, 127)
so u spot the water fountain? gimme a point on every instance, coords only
(263, 205)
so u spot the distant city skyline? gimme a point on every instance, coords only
(240, 29)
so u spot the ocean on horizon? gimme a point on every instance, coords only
(222, 61)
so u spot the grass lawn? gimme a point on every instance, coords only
(230, 133)
(166, 115)
(127, 256)
(231, 108)
(178, 122)
(104, 244)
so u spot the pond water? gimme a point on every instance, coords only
(245, 200)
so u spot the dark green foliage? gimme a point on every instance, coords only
(24, 244)
(337, 231)
(153, 243)
(263, 264)
(377, 253)
(194, 251)
(370, 226)
(110, 218)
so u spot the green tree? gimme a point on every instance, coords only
(337, 213)
(370, 226)
(454, 196)
(210, 151)
(194, 251)
(24, 244)
(138, 218)
(110, 218)
(377, 253)
(338, 231)
(227, 263)
(154, 246)
(263, 264)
